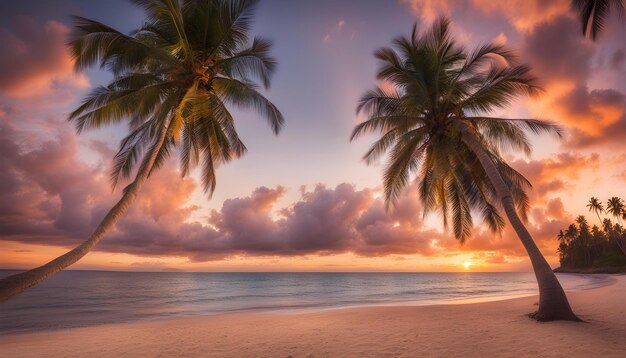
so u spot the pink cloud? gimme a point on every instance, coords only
(556, 51)
(35, 61)
(429, 10)
(53, 198)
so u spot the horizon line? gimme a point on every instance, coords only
(182, 271)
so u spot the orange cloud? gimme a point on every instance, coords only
(563, 61)
(525, 14)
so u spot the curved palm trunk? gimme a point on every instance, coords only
(15, 284)
(553, 304)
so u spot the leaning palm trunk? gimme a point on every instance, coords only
(553, 304)
(15, 284)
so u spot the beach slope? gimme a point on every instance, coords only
(490, 329)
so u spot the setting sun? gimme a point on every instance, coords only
(467, 264)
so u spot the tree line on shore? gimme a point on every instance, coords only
(585, 246)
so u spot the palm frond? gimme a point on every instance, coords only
(386, 123)
(166, 16)
(92, 42)
(593, 14)
(131, 148)
(536, 126)
(252, 62)
(245, 95)
(104, 105)
(405, 159)
(462, 223)
(233, 24)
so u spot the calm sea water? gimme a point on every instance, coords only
(84, 298)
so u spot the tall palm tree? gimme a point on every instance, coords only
(593, 14)
(615, 206)
(430, 116)
(596, 206)
(174, 81)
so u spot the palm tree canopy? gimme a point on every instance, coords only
(181, 70)
(430, 83)
(595, 205)
(593, 14)
(615, 206)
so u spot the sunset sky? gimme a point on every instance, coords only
(304, 200)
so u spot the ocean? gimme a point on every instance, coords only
(86, 298)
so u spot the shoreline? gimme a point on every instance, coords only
(496, 328)
(592, 270)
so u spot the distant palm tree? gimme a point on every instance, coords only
(615, 206)
(607, 225)
(174, 80)
(572, 232)
(431, 124)
(615, 233)
(595, 205)
(593, 14)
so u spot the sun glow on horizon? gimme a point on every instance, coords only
(467, 265)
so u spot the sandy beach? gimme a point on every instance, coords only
(489, 329)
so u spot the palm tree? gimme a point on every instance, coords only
(615, 206)
(431, 125)
(593, 14)
(174, 81)
(595, 205)
(614, 232)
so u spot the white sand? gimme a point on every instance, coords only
(491, 329)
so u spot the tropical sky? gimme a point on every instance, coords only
(304, 200)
